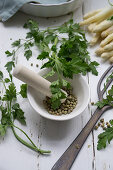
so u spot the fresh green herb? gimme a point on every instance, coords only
(107, 135)
(16, 43)
(28, 54)
(110, 18)
(9, 66)
(8, 53)
(64, 51)
(1, 75)
(7, 80)
(23, 90)
(71, 58)
(109, 95)
(57, 94)
(11, 110)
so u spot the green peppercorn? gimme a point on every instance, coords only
(69, 111)
(50, 112)
(108, 125)
(65, 109)
(60, 113)
(102, 125)
(65, 112)
(101, 120)
(96, 127)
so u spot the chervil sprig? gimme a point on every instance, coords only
(12, 111)
(106, 137)
(63, 49)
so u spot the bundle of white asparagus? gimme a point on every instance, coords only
(100, 24)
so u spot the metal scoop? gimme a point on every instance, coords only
(66, 160)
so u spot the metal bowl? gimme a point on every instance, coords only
(51, 10)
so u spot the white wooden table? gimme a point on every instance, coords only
(52, 135)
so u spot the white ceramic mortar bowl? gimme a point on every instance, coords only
(80, 90)
(51, 10)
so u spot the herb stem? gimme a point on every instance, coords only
(4, 84)
(32, 145)
(5, 90)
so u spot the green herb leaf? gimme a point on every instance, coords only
(49, 38)
(28, 54)
(8, 53)
(111, 122)
(5, 116)
(66, 84)
(10, 93)
(23, 90)
(93, 68)
(27, 45)
(18, 113)
(102, 103)
(110, 92)
(9, 66)
(109, 95)
(43, 55)
(57, 94)
(7, 80)
(16, 43)
(47, 65)
(1, 75)
(2, 130)
(110, 18)
(105, 137)
(51, 73)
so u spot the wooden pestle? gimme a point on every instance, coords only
(34, 80)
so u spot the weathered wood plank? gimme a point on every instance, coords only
(102, 159)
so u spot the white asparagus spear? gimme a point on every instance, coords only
(107, 32)
(102, 26)
(99, 51)
(107, 55)
(111, 59)
(109, 46)
(106, 40)
(34, 80)
(95, 39)
(100, 16)
(91, 27)
(92, 13)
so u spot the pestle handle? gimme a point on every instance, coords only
(32, 79)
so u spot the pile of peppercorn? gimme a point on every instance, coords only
(102, 124)
(65, 108)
